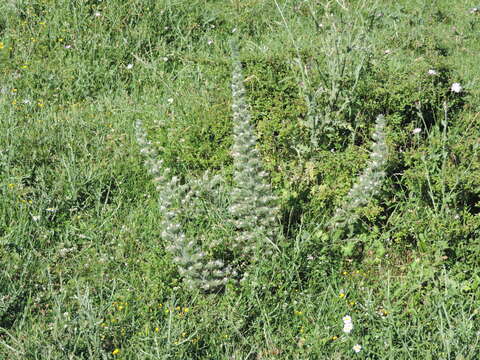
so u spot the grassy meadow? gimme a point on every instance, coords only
(85, 272)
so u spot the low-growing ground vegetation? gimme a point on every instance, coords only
(89, 267)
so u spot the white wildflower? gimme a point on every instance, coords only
(129, 66)
(416, 131)
(357, 348)
(170, 101)
(432, 72)
(97, 14)
(456, 88)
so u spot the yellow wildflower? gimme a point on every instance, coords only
(116, 352)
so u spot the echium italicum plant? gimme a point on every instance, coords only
(367, 185)
(253, 210)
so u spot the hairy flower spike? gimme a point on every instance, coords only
(368, 183)
(253, 203)
(197, 271)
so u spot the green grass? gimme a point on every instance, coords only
(83, 271)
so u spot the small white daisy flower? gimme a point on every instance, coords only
(170, 100)
(416, 131)
(432, 72)
(165, 59)
(357, 348)
(456, 88)
(129, 66)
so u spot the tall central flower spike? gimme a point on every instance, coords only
(254, 206)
